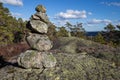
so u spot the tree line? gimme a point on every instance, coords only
(110, 35)
(12, 30)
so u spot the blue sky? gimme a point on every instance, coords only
(94, 14)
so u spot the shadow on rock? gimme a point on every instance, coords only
(4, 63)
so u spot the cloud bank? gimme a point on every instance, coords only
(72, 14)
(112, 3)
(16, 14)
(13, 2)
(98, 21)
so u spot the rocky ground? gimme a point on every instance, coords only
(77, 59)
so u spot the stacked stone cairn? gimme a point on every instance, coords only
(39, 56)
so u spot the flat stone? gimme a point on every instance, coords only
(34, 17)
(43, 17)
(39, 26)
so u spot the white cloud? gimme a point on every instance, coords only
(16, 14)
(13, 2)
(112, 3)
(89, 13)
(72, 14)
(98, 21)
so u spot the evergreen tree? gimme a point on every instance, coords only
(109, 27)
(76, 30)
(118, 26)
(69, 26)
(111, 36)
(62, 32)
(99, 38)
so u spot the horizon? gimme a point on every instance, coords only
(94, 15)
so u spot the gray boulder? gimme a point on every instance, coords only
(39, 42)
(30, 59)
(39, 26)
(35, 59)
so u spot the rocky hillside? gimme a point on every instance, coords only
(77, 59)
(75, 45)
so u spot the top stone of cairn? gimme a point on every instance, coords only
(40, 8)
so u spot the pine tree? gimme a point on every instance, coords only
(99, 38)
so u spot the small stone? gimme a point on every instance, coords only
(84, 53)
(40, 8)
(43, 17)
(39, 26)
(34, 17)
(39, 42)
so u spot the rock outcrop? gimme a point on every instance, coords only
(69, 66)
(38, 57)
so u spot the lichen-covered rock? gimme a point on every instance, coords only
(30, 59)
(39, 42)
(68, 67)
(78, 45)
(48, 59)
(16, 73)
(40, 16)
(39, 26)
(36, 59)
(79, 67)
(67, 44)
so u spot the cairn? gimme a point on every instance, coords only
(38, 56)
